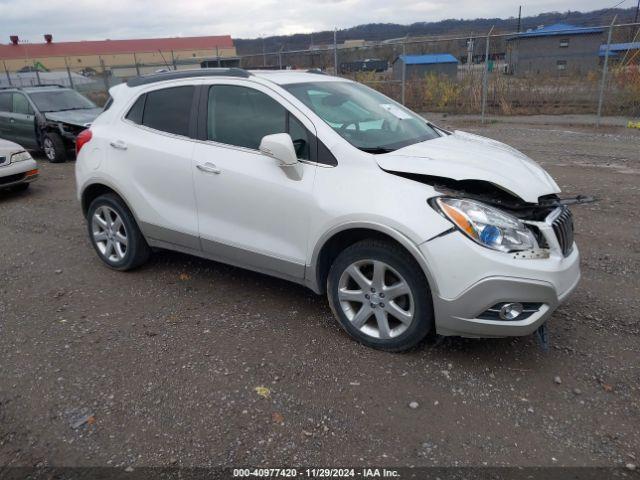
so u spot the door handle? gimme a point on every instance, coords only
(208, 167)
(118, 145)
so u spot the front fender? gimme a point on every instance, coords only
(311, 270)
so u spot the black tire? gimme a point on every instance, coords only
(21, 187)
(58, 151)
(137, 251)
(403, 263)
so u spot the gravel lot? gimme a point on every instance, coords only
(161, 366)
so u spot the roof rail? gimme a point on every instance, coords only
(178, 74)
(46, 85)
(20, 87)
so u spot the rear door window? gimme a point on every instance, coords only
(169, 110)
(21, 104)
(6, 102)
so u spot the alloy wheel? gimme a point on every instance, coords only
(376, 299)
(49, 149)
(109, 234)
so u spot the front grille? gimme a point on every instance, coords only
(11, 178)
(3, 160)
(563, 228)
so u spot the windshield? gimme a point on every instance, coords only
(365, 118)
(58, 100)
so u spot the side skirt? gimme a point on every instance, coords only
(159, 237)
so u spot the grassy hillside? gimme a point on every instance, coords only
(384, 31)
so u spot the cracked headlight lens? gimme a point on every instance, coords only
(20, 157)
(488, 226)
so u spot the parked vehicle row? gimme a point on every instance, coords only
(17, 168)
(46, 117)
(409, 229)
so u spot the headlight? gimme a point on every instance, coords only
(20, 157)
(486, 225)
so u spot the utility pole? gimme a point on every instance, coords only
(404, 68)
(6, 70)
(635, 19)
(485, 78)
(335, 51)
(520, 18)
(135, 60)
(69, 73)
(37, 69)
(604, 70)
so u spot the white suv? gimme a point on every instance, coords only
(409, 229)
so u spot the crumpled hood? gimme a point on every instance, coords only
(464, 156)
(81, 118)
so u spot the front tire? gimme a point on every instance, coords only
(115, 235)
(54, 148)
(380, 296)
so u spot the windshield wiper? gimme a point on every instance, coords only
(68, 109)
(377, 149)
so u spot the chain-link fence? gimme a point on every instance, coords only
(553, 70)
(548, 70)
(91, 79)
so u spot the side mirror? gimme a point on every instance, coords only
(279, 146)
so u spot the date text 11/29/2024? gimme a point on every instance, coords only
(315, 473)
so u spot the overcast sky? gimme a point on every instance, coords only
(116, 19)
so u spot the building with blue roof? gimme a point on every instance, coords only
(619, 50)
(418, 66)
(558, 29)
(557, 49)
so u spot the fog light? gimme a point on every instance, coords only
(510, 311)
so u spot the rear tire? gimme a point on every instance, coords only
(54, 147)
(115, 235)
(380, 296)
(20, 187)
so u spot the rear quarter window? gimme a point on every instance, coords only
(107, 105)
(135, 112)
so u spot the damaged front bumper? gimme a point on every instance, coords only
(473, 282)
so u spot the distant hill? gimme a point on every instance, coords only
(385, 31)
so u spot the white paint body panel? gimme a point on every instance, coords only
(160, 180)
(252, 204)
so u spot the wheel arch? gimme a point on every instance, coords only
(93, 190)
(336, 240)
